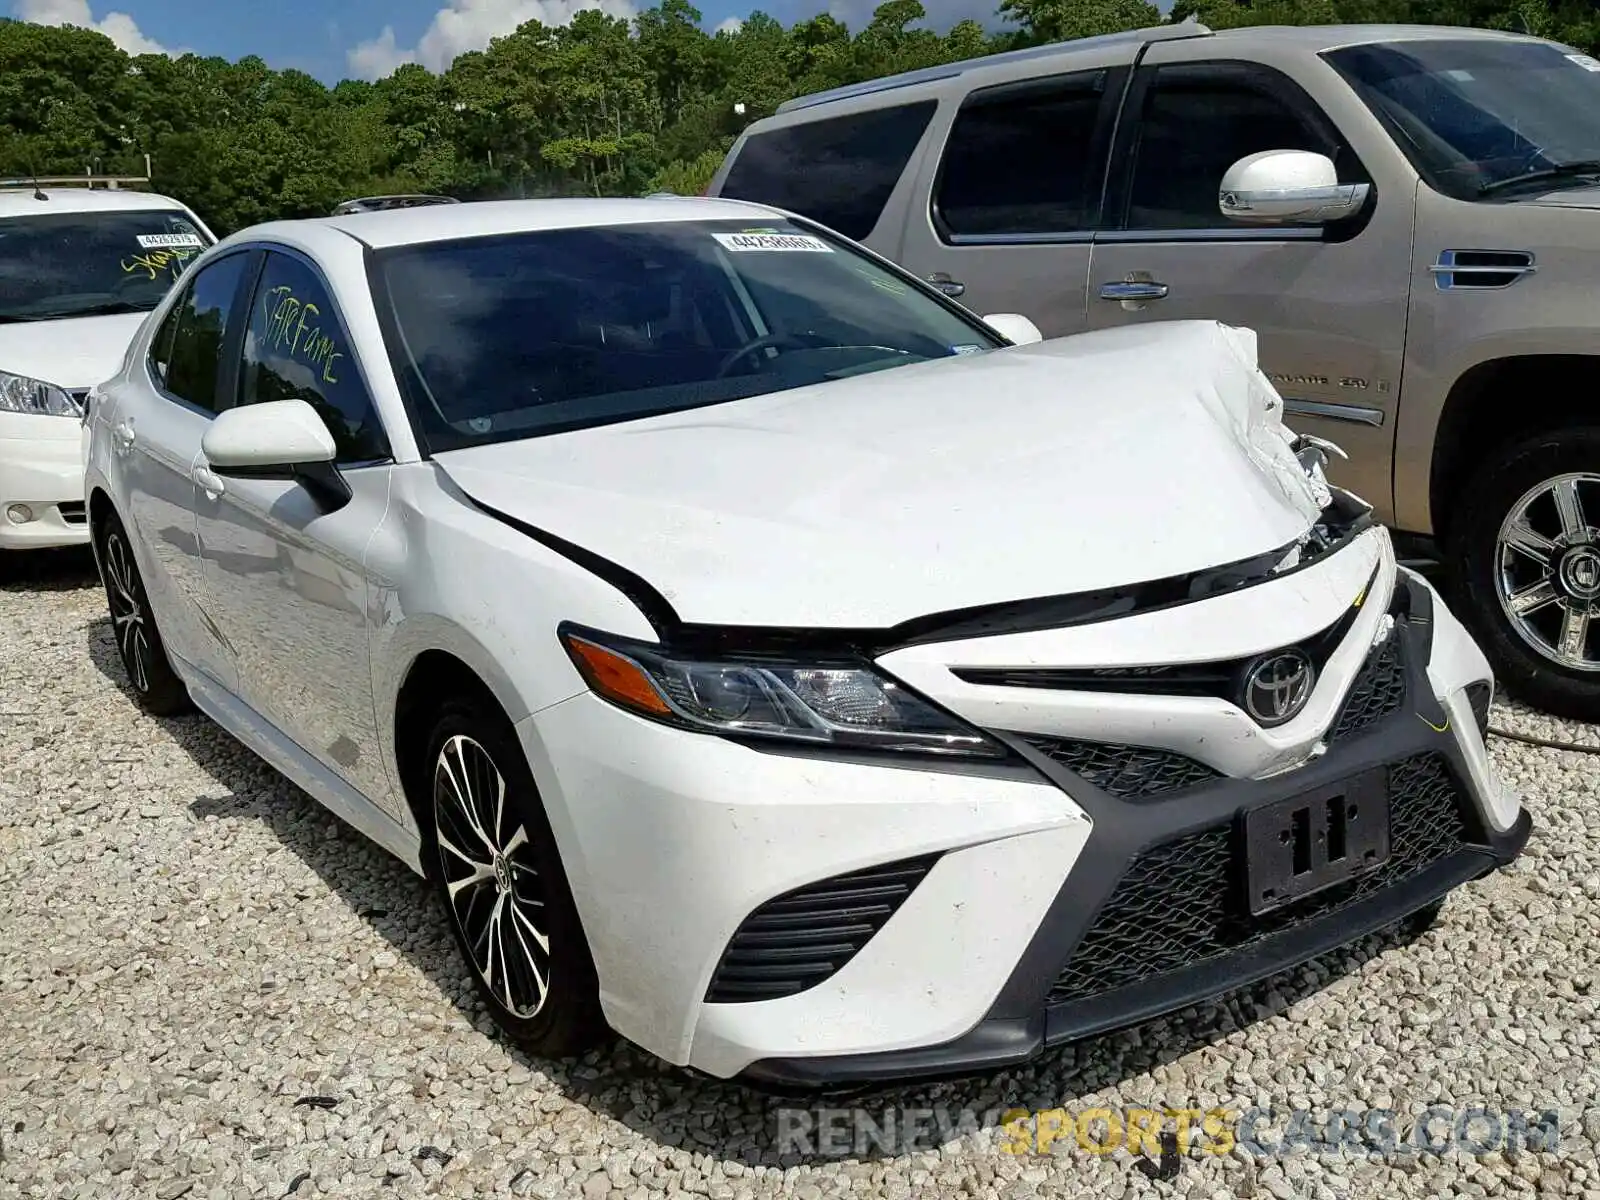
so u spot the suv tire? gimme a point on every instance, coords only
(1542, 493)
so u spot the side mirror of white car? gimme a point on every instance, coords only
(1014, 327)
(278, 439)
(1277, 186)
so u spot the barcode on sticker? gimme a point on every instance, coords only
(1584, 61)
(169, 241)
(773, 241)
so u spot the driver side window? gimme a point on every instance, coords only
(296, 348)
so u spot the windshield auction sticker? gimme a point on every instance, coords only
(773, 241)
(169, 241)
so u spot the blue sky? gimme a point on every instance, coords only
(333, 39)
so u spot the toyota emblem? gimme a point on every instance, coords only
(1277, 686)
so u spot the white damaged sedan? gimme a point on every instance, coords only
(765, 658)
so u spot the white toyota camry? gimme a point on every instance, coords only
(763, 656)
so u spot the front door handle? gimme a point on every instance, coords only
(1138, 290)
(209, 481)
(950, 287)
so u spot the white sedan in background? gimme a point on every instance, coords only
(80, 268)
(763, 656)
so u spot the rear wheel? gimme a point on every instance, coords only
(1526, 546)
(495, 867)
(144, 655)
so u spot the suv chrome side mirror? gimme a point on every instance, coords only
(1277, 186)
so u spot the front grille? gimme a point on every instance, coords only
(72, 512)
(801, 938)
(1377, 691)
(1127, 772)
(1180, 903)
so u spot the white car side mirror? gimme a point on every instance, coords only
(1276, 186)
(269, 438)
(1014, 327)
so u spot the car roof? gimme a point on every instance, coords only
(21, 201)
(447, 222)
(1312, 39)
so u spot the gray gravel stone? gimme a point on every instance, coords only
(188, 945)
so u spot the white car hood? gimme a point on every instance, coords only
(1072, 465)
(75, 353)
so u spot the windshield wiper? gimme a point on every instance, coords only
(1571, 170)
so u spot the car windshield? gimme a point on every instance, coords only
(85, 264)
(1484, 118)
(518, 335)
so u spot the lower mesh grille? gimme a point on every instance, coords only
(801, 938)
(1179, 903)
(1127, 772)
(1377, 691)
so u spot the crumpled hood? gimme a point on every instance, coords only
(1071, 465)
(75, 353)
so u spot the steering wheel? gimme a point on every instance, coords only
(764, 342)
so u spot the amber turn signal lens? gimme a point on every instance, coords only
(615, 678)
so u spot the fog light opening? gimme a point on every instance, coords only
(19, 514)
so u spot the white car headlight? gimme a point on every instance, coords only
(35, 397)
(844, 706)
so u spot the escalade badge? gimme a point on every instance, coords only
(1277, 686)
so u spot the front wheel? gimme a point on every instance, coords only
(1526, 548)
(497, 871)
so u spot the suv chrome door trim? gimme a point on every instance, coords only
(1447, 271)
(1358, 413)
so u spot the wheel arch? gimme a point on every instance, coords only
(1475, 420)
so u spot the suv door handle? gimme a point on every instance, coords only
(122, 435)
(209, 481)
(1128, 289)
(950, 287)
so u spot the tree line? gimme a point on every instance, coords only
(602, 106)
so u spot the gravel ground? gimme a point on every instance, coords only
(190, 949)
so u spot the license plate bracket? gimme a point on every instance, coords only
(1300, 845)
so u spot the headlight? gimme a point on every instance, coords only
(20, 394)
(843, 706)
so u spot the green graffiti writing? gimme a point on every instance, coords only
(294, 327)
(153, 262)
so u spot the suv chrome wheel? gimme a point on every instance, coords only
(1548, 569)
(487, 867)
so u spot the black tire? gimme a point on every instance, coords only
(1496, 488)
(566, 1019)
(133, 624)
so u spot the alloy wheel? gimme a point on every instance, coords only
(128, 617)
(487, 866)
(1547, 573)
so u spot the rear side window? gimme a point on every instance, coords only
(187, 350)
(1023, 159)
(839, 172)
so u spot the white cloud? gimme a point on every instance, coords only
(730, 25)
(119, 27)
(465, 25)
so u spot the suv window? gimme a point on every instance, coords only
(1022, 159)
(296, 348)
(839, 172)
(1198, 120)
(187, 349)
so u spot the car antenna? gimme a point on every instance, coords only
(38, 192)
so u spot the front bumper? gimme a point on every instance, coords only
(44, 473)
(970, 917)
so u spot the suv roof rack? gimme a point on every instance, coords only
(110, 182)
(378, 203)
(1155, 33)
